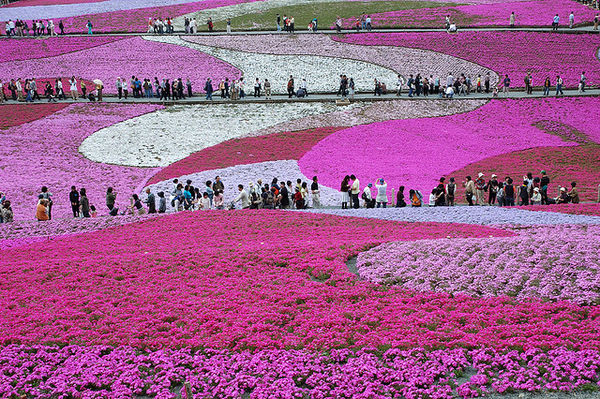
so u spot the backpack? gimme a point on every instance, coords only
(364, 196)
(451, 189)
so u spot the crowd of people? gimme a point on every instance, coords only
(282, 194)
(40, 27)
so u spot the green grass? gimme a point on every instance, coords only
(325, 12)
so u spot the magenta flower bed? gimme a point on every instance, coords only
(512, 53)
(17, 50)
(124, 58)
(137, 20)
(528, 13)
(45, 152)
(102, 371)
(248, 150)
(17, 114)
(417, 152)
(562, 263)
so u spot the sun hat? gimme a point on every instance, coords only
(480, 174)
(493, 175)
(563, 189)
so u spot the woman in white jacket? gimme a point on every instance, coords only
(381, 198)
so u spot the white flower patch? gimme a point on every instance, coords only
(321, 72)
(168, 135)
(244, 174)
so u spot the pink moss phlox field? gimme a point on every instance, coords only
(561, 263)
(509, 53)
(123, 372)
(29, 162)
(249, 287)
(20, 233)
(248, 150)
(417, 152)
(136, 20)
(18, 114)
(574, 209)
(528, 13)
(28, 49)
(124, 58)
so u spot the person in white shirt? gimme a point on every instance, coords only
(243, 197)
(204, 203)
(368, 196)
(449, 92)
(571, 20)
(399, 85)
(354, 191)
(368, 22)
(452, 28)
(73, 85)
(1, 91)
(193, 28)
(381, 198)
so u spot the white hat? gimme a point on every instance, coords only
(493, 175)
(536, 189)
(480, 174)
(563, 189)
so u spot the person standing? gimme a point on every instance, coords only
(596, 22)
(492, 187)
(111, 198)
(506, 85)
(512, 19)
(480, 189)
(228, 25)
(89, 27)
(354, 191)
(151, 201)
(73, 88)
(381, 198)
(547, 84)
(469, 190)
(208, 88)
(571, 20)
(450, 192)
(61, 26)
(582, 81)
(278, 23)
(119, 85)
(47, 195)
(242, 197)
(509, 192)
(555, 22)
(267, 89)
(573, 194)
(345, 189)
(74, 200)
(315, 193)
(85, 203)
(257, 88)
(290, 86)
(544, 183)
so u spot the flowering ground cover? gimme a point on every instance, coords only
(144, 310)
(496, 13)
(574, 209)
(26, 49)
(416, 153)
(31, 3)
(563, 165)
(509, 53)
(30, 161)
(244, 151)
(156, 139)
(561, 263)
(127, 57)
(483, 215)
(16, 114)
(400, 59)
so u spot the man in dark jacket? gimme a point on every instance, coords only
(74, 200)
(285, 196)
(151, 202)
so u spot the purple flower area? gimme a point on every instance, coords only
(124, 58)
(45, 152)
(124, 372)
(415, 153)
(527, 13)
(562, 263)
(513, 53)
(17, 50)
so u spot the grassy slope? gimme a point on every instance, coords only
(325, 12)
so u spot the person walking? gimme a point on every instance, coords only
(596, 22)
(555, 22)
(150, 201)
(208, 88)
(228, 25)
(267, 89)
(89, 26)
(290, 87)
(480, 189)
(85, 203)
(73, 88)
(571, 20)
(559, 85)
(512, 19)
(506, 85)
(47, 195)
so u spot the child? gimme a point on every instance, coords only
(93, 213)
(432, 197)
(205, 202)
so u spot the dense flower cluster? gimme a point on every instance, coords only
(561, 263)
(171, 134)
(124, 58)
(485, 215)
(494, 13)
(15, 115)
(48, 47)
(104, 371)
(403, 60)
(417, 157)
(505, 52)
(49, 156)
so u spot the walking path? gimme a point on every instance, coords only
(564, 30)
(328, 97)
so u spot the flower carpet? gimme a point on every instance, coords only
(415, 302)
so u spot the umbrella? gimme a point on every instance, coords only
(98, 82)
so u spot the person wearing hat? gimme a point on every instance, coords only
(523, 193)
(492, 188)
(469, 190)
(536, 197)
(573, 194)
(381, 198)
(480, 189)
(367, 197)
(563, 197)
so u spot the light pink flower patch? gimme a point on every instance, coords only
(45, 152)
(124, 58)
(417, 152)
(512, 53)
